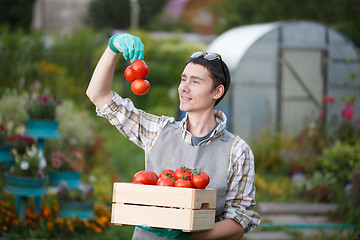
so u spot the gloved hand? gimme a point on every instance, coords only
(131, 46)
(168, 233)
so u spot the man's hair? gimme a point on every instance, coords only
(216, 69)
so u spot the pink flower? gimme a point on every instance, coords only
(321, 113)
(56, 154)
(348, 112)
(357, 120)
(328, 99)
(44, 99)
(56, 162)
(74, 165)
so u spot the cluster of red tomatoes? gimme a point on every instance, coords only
(181, 177)
(136, 74)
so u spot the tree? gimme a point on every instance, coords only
(116, 13)
(343, 15)
(16, 13)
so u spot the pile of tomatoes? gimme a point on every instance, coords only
(136, 74)
(181, 177)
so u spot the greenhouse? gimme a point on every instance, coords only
(282, 71)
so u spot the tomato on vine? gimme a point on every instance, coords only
(200, 179)
(166, 173)
(184, 182)
(140, 86)
(140, 69)
(165, 181)
(145, 177)
(182, 172)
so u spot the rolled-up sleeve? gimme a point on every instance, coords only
(136, 125)
(240, 198)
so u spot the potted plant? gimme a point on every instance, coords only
(76, 202)
(41, 109)
(26, 178)
(65, 166)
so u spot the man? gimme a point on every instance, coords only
(198, 141)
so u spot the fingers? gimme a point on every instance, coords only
(132, 48)
(138, 50)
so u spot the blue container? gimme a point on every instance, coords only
(38, 128)
(72, 178)
(25, 186)
(5, 153)
(84, 210)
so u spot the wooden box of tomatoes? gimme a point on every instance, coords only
(186, 209)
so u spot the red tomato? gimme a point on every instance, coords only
(129, 74)
(184, 183)
(154, 175)
(141, 70)
(166, 172)
(136, 182)
(165, 181)
(140, 86)
(182, 172)
(144, 177)
(200, 180)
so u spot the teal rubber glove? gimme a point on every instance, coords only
(131, 47)
(168, 233)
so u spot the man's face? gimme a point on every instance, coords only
(196, 91)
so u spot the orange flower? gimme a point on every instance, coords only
(5, 228)
(46, 212)
(71, 228)
(86, 223)
(98, 230)
(101, 221)
(28, 222)
(50, 225)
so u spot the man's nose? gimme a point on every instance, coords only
(184, 86)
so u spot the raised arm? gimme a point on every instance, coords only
(99, 89)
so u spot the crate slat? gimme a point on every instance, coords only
(182, 219)
(164, 196)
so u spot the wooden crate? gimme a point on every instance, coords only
(187, 209)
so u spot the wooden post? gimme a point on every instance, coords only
(355, 201)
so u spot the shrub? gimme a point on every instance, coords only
(341, 160)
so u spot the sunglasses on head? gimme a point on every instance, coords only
(210, 56)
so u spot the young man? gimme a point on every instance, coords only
(197, 141)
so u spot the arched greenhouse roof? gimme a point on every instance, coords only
(233, 44)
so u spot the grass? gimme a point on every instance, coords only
(113, 232)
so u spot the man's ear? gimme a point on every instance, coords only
(219, 91)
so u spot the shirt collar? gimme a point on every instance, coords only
(220, 119)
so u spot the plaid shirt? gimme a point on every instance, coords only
(143, 129)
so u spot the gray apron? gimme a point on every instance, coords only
(170, 151)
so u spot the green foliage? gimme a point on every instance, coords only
(116, 13)
(12, 110)
(16, 13)
(341, 160)
(266, 151)
(343, 15)
(74, 128)
(20, 53)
